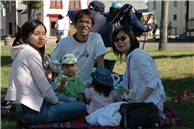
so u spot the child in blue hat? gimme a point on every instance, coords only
(68, 82)
(100, 92)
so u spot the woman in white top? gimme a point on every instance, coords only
(28, 85)
(141, 77)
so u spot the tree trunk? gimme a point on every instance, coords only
(164, 26)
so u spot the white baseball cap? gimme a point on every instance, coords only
(68, 59)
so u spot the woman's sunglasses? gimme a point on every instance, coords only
(122, 38)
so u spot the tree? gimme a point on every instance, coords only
(164, 26)
(32, 6)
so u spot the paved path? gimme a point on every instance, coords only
(154, 45)
(170, 46)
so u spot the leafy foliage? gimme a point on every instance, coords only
(33, 4)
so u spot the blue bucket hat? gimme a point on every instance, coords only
(103, 76)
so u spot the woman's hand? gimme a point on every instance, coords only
(148, 91)
(122, 90)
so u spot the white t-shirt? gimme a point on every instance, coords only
(61, 24)
(85, 53)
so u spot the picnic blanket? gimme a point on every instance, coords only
(170, 120)
(78, 123)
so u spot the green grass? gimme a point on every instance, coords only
(175, 67)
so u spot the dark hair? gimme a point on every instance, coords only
(97, 6)
(84, 12)
(133, 40)
(60, 16)
(101, 88)
(26, 29)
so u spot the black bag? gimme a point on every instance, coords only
(135, 115)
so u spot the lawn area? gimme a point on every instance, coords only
(176, 69)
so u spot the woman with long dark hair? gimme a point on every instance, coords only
(28, 86)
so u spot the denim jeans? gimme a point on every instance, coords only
(49, 113)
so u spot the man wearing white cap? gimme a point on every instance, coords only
(68, 82)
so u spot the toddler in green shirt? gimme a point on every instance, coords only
(68, 82)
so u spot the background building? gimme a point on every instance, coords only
(52, 8)
(3, 19)
(10, 12)
(15, 13)
(180, 17)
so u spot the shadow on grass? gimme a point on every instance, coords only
(5, 60)
(184, 110)
(175, 86)
(171, 40)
